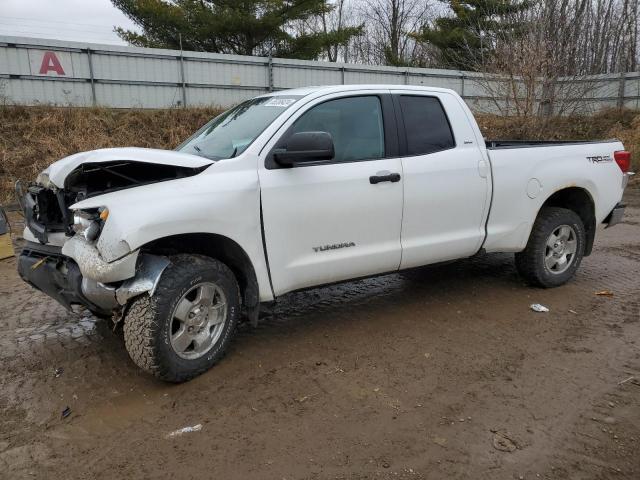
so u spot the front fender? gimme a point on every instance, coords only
(224, 200)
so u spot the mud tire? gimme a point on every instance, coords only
(147, 324)
(530, 262)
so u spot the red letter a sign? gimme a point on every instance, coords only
(51, 63)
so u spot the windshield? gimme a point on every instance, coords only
(230, 133)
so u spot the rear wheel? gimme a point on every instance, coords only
(185, 328)
(555, 248)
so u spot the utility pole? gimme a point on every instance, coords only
(182, 79)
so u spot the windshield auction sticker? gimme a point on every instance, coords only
(280, 102)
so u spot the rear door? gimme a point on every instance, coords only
(446, 184)
(334, 221)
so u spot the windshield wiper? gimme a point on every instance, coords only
(215, 158)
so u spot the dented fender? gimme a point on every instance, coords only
(94, 266)
(140, 273)
(224, 200)
(148, 272)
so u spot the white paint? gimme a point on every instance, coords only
(533, 188)
(556, 167)
(445, 197)
(59, 170)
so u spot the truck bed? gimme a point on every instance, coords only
(498, 144)
(523, 180)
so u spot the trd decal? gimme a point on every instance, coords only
(600, 159)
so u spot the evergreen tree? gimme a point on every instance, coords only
(466, 38)
(242, 27)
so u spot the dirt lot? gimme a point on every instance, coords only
(442, 372)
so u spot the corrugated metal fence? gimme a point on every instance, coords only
(41, 71)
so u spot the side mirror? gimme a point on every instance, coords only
(305, 147)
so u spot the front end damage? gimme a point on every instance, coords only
(65, 255)
(65, 279)
(61, 277)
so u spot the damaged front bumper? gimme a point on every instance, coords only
(93, 266)
(78, 275)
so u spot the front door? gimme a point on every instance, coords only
(340, 219)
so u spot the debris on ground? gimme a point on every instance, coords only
(440, 441)
(182, 431)
(6, 246)
(502, 442)
(573, 311)
(605, 293)
(536, 307)
(626, 380)
(66, 412)
(59, 371)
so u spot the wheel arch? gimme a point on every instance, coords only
(580, 201)
(219, 247)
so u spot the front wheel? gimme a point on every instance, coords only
(185, 328)
(555, 248)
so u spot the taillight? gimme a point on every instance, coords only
(623, 159)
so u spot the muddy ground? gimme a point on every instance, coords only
(439, 373)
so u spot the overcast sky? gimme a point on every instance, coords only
(80, 20)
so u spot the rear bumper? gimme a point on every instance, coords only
(615, 216)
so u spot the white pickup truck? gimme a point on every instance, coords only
(297, 189)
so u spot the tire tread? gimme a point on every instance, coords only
(141, 327)
(528, 261)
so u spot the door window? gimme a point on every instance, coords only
(355, 124)
(426, 125)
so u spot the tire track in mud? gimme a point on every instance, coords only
(479, 381)
(604, 439)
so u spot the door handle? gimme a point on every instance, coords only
(391, 177)
(483, 169)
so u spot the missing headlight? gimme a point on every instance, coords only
(89, 223)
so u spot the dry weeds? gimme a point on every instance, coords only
(33, 137)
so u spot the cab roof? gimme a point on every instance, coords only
(325, 89)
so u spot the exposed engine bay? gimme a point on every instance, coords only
(62, 255)
(46, 206)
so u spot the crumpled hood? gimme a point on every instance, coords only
(59, 170)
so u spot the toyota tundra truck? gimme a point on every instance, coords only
(296, 189)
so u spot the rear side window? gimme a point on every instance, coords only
(425, 124)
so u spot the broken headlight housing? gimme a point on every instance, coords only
(43, 180)
(89, 223)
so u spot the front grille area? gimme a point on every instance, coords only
(46, 211)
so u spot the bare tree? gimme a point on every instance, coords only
(335, 20)
(592, 36)
(566, 38)
(342, 17)
(544, 62)
(388, 25)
